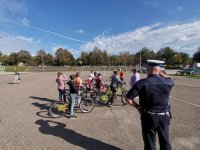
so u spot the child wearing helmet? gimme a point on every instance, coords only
(115, 81)
(121, 75)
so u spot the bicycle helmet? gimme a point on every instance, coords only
(115, 72)
(72, 76)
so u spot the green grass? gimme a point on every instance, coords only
(193, 76)
(188, 76)
(15, 68)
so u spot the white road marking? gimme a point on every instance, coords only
(184, 101)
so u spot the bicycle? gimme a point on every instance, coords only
(58, 109)
(87, 92)
(105, 97)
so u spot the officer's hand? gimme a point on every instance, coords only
(138, 108)
(162, 74)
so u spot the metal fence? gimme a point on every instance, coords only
(76, 68)
(2, 68)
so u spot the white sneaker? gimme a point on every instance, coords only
(109, 105)
(72, 117)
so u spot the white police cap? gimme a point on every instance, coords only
(152, 62)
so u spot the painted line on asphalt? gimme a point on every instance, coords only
(184, 101)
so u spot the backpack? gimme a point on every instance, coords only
(114, 85)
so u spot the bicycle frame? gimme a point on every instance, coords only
(119, 89)
(107, 94)
(63, 107)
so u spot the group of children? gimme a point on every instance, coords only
(74, 83)
(94, 80)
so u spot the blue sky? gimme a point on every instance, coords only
(112, 25)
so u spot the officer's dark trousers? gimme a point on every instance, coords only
(152, 124)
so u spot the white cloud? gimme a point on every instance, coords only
(11, 10)
(16, 7)
(10, 43)
(80, 31)
(181, 37)
(25, 21)
(57, 46)
(25, 39)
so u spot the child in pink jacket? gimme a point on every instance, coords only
(61, 81)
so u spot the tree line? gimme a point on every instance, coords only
(98, 57)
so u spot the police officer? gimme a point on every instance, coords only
(153, 106)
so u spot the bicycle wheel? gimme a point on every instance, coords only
(124, 92)
(58, 109)
(86, 105)
(104, 98)
(67, 94)
(90, 94)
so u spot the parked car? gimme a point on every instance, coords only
(143, 69)
(188, 71)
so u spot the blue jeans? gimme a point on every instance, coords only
(73, 99)
(62, 95)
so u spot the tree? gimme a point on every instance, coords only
(84, 58)
(114, 60)
(24, 56)
(96, 57)
(182, 58)
(80, 62)
(178, 59)
(106, 58)
(40, 57)
(13, 59)
(168, 55)
(5, 59)
(49, 59)
(145, 55)
(1, 57)
(196, 56)
(125, 58)
(64, 57)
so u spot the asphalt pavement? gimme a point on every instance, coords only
(26, 125)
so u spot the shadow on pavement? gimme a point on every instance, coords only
(44, 114)
(42, 106)
(71, 136)
(11, 83)
(42, 99)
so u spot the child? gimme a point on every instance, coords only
(121, 75)
(135, 77)
(98, 85)
(73, 94)
(90, 79)
(16, 78)
(61, 80)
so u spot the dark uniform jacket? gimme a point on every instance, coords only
(153, 93)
